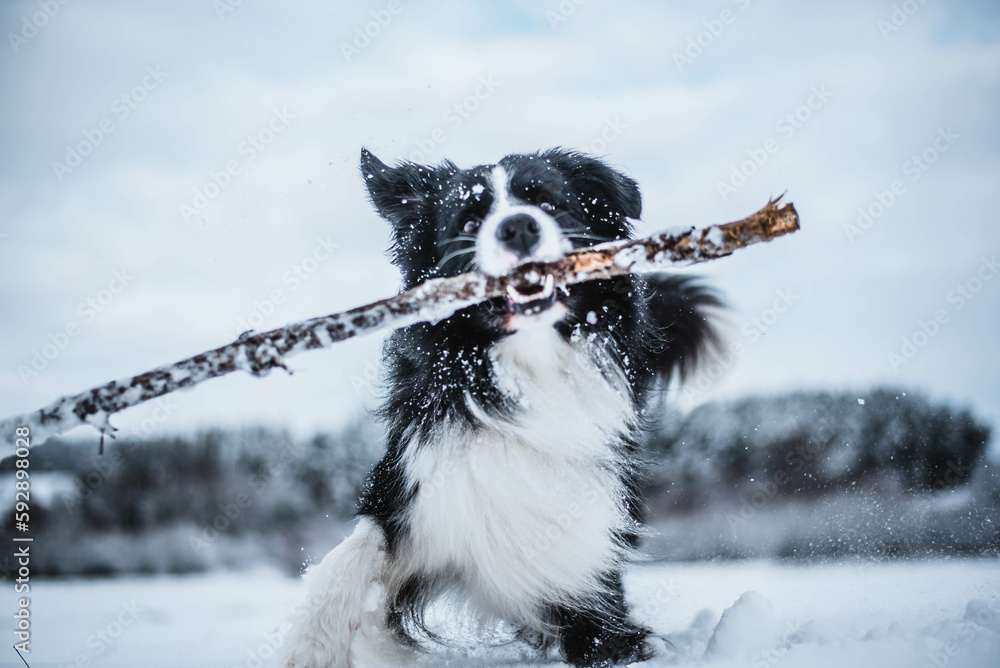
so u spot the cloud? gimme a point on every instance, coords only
(685, 132)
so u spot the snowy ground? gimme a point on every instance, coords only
(846, 615)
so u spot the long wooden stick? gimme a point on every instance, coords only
(431, 301)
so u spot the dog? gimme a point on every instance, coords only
(512, 472)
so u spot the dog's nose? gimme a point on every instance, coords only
(519, 234)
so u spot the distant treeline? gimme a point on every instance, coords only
(819, 474)
(219, 498)
(818, 442)
(727, 480)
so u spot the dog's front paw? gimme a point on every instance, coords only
(317, 649)
(310, 657)
(657, 647)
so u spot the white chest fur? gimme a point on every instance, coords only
(525, 511)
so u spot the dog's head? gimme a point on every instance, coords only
(447, 221)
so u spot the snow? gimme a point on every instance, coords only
(676, 231)
(629, 257)
(722, 615)
(715, 236)
(47, 489)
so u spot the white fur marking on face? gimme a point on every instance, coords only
(491, 257)
(498, 176)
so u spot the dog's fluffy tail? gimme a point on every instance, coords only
(681, 311)
(341, 623)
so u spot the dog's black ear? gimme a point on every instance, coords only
(402, 194)
(590, 175)
(398, 193)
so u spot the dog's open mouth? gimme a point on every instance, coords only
(527, 299)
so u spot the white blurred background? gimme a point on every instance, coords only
(622, 80)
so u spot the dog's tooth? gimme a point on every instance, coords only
(549, 286)
(513, 293)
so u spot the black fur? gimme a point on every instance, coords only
(654, 329)
(605, 637)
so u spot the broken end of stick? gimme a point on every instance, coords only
(772, 221)
(778, 219)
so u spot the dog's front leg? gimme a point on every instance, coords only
(341, 623)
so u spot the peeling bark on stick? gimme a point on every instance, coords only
(431, 301)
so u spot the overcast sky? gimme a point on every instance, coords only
(116, 113)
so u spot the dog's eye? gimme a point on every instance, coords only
(547, 207)
(471, 226)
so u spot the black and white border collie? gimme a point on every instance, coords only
(511, 475)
